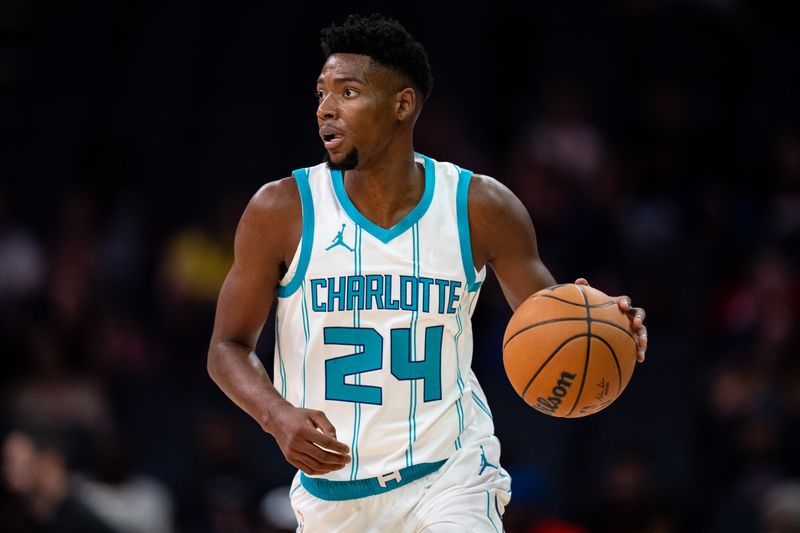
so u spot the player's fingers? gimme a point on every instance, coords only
(624, 303)
(327, 442)
(316, 466)
(297, 462)
(303, 461)
(643, 336)
(333, 459)
(637, 314)
(581, 281)
(642, 343)
(321, 421)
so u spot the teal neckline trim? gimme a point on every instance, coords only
(326, 489)
(382, 234)
(462, 213)
(307, 239)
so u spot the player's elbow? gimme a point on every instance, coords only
(213, 361)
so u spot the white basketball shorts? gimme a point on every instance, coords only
(467, 494)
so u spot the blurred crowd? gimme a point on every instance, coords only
(656, 145)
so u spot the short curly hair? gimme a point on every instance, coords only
(386, 42)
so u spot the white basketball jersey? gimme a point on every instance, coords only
(373, 325)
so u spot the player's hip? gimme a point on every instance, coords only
(470, 488)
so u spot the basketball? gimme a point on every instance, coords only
(569, 350)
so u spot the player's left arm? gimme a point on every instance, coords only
(503, 237)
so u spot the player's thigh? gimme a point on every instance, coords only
(380, 513)
(471, 491)
(476, 512)
(320, 516)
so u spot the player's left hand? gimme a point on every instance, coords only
(636, 315)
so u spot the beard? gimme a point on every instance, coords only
(349, 162)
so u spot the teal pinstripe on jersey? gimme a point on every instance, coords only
(356, 323)
(281, 369)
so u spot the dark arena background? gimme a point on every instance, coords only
(655, 143)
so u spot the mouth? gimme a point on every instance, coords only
(332, 140)
(331, 136)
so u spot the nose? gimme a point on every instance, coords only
(327, 107)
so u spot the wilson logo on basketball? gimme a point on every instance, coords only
(603, 392)
(552, 403)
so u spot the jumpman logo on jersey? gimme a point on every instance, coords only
(485, 463)
(339, 240)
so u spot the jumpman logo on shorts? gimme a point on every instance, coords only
(485, 463)
(339, 240)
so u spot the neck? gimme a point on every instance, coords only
(386, 188)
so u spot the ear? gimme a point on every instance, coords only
(405, 104)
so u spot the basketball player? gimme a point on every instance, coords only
(376, 257)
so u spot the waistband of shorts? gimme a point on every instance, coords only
(325, 489)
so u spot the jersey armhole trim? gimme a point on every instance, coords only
(462, 214)
(307, 238)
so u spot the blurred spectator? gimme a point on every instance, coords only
(121, 348)
(781, 508)
(628, 501)
(223, 490)
(765, 305)
(56, 394)
(197, 258)
(22, 259)
(565, 142)
(35, 467)
(129, 501)
(122, 252)
(785, 208)
(195, 264)
(276, 510)
(74, 260)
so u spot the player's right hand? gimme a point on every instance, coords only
(302, 434)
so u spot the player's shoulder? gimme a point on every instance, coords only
(275, 199)
(272, 219)
(283, 196)
(498, 219)
(489, 194)
(494, 207)
(274, 213)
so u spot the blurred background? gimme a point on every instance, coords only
(656, 144)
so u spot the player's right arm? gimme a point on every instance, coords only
(266, 238)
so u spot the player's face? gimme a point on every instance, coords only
(355, 109)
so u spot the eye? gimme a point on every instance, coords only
(319, 95)
(350, 92)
